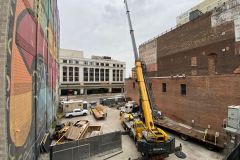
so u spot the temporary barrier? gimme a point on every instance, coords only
(84, 148)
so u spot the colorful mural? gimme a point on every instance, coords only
(32, 69)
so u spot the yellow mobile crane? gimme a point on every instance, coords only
(151, 141)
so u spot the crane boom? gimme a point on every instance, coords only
(132, 32)
(140, 78)
(151, 141)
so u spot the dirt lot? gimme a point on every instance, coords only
(193, 150)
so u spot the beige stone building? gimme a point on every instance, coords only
(204, 7)
(95, 75)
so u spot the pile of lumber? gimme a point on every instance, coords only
(99, 112)
(73, 131)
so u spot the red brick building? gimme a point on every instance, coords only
(198, 65)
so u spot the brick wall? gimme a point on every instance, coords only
(196, 33)
(180, 63)
(3, 31)
(206, 100)
(28, 69)
(199, 39)
(131, 89)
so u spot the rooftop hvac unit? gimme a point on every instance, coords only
(107, 57)
(194, 14)
(233, 120)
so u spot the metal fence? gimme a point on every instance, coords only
(85, 148)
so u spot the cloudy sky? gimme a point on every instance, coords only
(100, 27)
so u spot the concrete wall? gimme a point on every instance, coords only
(29, 46)
(206, 100)
(3, 36)
(205, 6)
(67, 53)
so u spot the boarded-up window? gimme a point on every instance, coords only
(194, 61)
(212, 64)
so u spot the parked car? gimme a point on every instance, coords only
(76, 112)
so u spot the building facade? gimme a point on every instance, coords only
(202, 8)
(198, 69)
(29, 47)
(79, 75)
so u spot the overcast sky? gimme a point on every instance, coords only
(100, 27)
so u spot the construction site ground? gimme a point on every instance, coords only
(193, 150)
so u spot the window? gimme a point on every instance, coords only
(85, 74)
(121, 65)
(164, 87)
(117, 75)
(76, 74)
(150, 86)
(183, 89)
(96, 74)
(97, 64)
(91, 74)
(64, 61)
(102, 64)
(133, 84)
(71, 61)
(194, 61)
(118, 65)
(121, 75)
(102, 74)
(91, 63)
(107, 75)
(107, 64)
(85, 62)
(64, 74)
(114, 75)
(70, 74)
(77, 62)
(114, 65)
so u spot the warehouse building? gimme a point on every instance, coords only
(95, 75)
(195, 68)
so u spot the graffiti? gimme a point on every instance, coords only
(227, 12)
(31, 74)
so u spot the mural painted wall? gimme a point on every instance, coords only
(32, 74)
